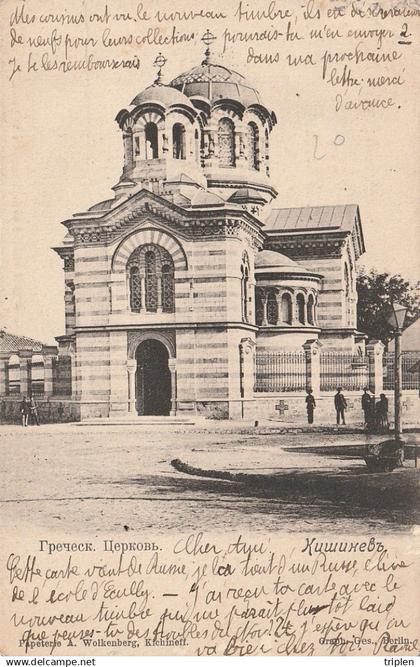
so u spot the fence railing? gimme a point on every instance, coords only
(410, 378)
(280, 371)
(340, 369)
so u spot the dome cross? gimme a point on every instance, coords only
(160, 62)
(208, 38)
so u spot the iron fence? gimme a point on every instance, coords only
(280, 371)
(410, 376)
(340, 369)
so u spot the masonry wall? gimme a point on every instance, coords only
(50, 410)
(291, 408)
(92, 373)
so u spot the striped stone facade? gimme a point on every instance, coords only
(173, 285)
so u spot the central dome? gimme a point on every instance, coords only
(216, 82)
(166, 95)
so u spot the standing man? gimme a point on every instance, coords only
(24, 411)
(367, 400)
(310, 406)
(34, 411)
(340, 404)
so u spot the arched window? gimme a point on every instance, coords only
(245, 287)
(128, 148)
(151, 137)
(253, 146)
(244, 291)
(151, 278)
(168, 288)
(286, 308)
(226, 141)
(178, 141)
(310, 306)
(37, 374)
(13, 375)
(259, 307)
(300, 302)
(197, 146)
(135, 289)
(136, 146)
(347, 305)
(347, 280)
(151, 281)
(272, 308)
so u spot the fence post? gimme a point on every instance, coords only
(3, 374)
(246, 367)
(313, 367)
(375, 352)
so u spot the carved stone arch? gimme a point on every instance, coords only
(149, 236)
(128, 123)
(143, 116)
(235, 110)
(257, 116)
(226, 112)
(184, 112)
(135, 338)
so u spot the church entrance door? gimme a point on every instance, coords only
(153, 379)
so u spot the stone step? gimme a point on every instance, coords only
(152, 420)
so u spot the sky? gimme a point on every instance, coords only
(62, 152)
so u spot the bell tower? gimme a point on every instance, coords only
(162, 137)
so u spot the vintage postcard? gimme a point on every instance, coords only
(209, 329)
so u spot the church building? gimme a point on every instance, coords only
(175, 283)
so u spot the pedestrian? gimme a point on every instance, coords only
(24, 411)
(381, 414)
(367, 406)
(33, 411)
(310, 405)
(340, 404)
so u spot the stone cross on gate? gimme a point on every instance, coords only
(281, 407)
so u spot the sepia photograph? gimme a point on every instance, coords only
(210, 315)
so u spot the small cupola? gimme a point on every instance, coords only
(162, 134)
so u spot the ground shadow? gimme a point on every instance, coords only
(352, 493)
(342, 451)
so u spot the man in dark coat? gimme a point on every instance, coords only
(340, 404)
(310, 406)
(368, 403)
(33, 411)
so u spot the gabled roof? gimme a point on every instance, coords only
(13, 343)
(127, 208)
(314, 218)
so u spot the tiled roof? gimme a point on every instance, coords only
(12, 343)
(313, 218)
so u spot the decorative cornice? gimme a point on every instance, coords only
(308, 245)
(283, 275)
(67, 254)
(193, 225)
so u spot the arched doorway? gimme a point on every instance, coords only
(153, 379)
